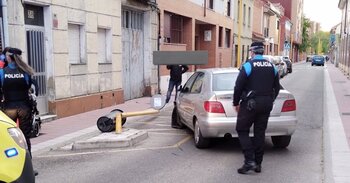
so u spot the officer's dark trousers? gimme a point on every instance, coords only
(22, 111)
(254, 150)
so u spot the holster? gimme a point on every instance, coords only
(250, 98)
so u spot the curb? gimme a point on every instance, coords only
(336, 149)
(128, 138)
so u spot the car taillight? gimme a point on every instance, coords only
(213, 107)
(289, 105)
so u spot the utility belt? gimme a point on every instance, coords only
(249, 98)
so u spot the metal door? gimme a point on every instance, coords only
(36, 59)
(133, 62)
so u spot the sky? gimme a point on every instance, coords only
(325, 12)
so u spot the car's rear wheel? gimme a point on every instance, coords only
(199, 140)
(175, 119)
(281, 141)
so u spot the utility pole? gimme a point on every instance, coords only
(240, 24)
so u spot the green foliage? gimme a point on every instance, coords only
(305, 35)
(324, 38)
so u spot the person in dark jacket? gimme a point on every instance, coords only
(176, 72)
(257, 86)
(3, 62)
(15, 83)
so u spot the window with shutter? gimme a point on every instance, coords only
(74, 52)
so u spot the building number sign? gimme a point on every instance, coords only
(31, 14)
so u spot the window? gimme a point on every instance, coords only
(236, 53)
(211, 4)
(249, 14)
(197, 85)
(247, 52)
(126, 19)
(244, 14)
(242, 53)
(220, 36)
(278, 25)
(189, 83)
(132, 19)
(238, 2)
(173, 28)
(76, 50)
(104, 45)
(228, 8)
(270, 47)
(266, 25)
(224, 81)
(227, 38)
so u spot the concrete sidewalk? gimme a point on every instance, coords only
(336, 146)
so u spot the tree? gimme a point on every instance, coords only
(323, 37)
(305, 35)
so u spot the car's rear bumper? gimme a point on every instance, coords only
(219, 127)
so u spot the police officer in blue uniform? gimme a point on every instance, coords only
(15, 83)
(257, 86)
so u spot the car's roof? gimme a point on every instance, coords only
(219, 70)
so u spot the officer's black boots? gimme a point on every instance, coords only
(258, 168)
(246, 167)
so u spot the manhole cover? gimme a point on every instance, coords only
(347, 95)
(346, 113)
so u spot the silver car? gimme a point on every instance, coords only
(204, 104)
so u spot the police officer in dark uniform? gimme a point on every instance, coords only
(176, 72)
(257, 86)
(15, 83)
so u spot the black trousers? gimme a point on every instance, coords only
(254, 150)
(23, 112)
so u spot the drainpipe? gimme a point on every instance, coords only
(5, 22)
(158, 45)
(205, 8)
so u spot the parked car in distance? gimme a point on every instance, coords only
(283, 64)
(204, 104)
(278, 64)
(289, 64)
(318, 60)
(309, 58)
(16, 162)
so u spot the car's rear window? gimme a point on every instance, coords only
(224, 81)
(319, 57)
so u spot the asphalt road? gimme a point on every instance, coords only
(169, 155)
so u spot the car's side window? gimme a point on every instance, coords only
(188, 85)
(197, 85)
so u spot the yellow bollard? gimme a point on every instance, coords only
(119, 117)
(118, 123)
(140, 113)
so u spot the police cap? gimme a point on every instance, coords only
(15, 51)
(257, 47)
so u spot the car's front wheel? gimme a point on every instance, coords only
(199, 140)
(281, 141)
